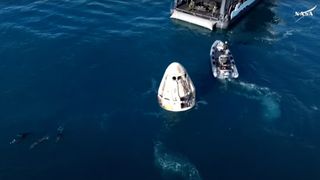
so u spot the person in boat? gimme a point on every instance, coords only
(220, 47)
(192, 5)
(39, 141)
(19, 137)
(214, 10)
(59, 133)
(224, 60)
(227, 52)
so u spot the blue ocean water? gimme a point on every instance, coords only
(94, 66)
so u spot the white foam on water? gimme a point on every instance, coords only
(174, 164)
(269, 99)
(200, 103)
(275, 36)
(288, 33)
(271, 108)
(169, 119)
(315, 108)
(153, 89)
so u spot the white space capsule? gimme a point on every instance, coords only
(176, 92)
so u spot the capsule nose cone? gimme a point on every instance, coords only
(175, 68)
(176, 91)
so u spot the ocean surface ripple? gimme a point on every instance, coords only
(93, 67)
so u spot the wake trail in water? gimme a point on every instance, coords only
(174, 165)
(269, 99)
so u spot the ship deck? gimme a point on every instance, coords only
(201, 9)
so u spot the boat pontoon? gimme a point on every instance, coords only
(222, 62)
(210, 13)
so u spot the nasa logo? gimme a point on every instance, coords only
(305, 13)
